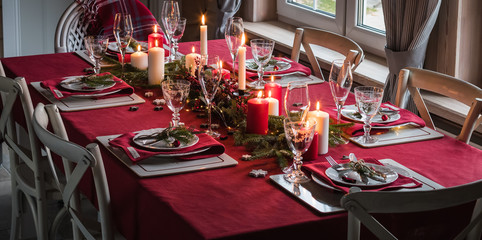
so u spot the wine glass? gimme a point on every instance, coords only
(233, 35)
(262, 50)
(123, 34)
(97, 45)
(88, 47)
(368, 100)
(297, 101)
(299, 135)
(340, 81)
(170, 18)
(175, 93)
(209, 77)
(177, 35)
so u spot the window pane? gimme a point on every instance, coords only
(322, 6)
(371, 15)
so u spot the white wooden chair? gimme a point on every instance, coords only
(360, 205)
(84, 159)
(307, 36)
(30, 174)
(414, 79)
(70, 31)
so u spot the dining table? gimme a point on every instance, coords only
(226, 202)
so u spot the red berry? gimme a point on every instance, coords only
(384, 117)
(176, 143)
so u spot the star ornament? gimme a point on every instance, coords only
(257, 173)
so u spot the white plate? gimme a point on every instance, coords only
(74, 83)
(391, 176)
(114, 48)
(280, 63)
(350, 112)
(159, 145)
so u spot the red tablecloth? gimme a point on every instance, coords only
(227, 203)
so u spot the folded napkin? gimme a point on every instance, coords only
(60, 93)
(137, 154)
(295, 67)
(319, 169)
(405, 117)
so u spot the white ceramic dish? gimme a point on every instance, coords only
(350, 112)
(159, 145)
(73, 83)
(391, 176)
(281, 64)
(114, 48)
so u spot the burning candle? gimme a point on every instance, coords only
(156, 65)
(257, 117)
(139, 59)
(204, 37)
(242, 65)
(275, 90)
(151, 38)
(192, 61)
(322, 127)
(273, 105)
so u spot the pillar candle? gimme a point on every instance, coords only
(275, 90)
(192, 61)
(139, 59)
(312, 152)
(273, 105)
(322, 127)
(156, 65)
(242, 65)
(257, 117)
(151, 38)
(204, 38)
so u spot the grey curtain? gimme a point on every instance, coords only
(408, 26)
(227, 9)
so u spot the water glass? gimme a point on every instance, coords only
(175, 93)
(262, 50)
(368, 101)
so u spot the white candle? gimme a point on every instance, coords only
(322, 128)
(139, 59)
(156, 65)
(204, 38)
(273, 105)
(192, 60)
(242, 65)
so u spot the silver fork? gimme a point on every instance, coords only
(331, 161)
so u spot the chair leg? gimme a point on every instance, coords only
(14, 227)
(353, 227)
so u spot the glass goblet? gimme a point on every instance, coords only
(123, 34)
(368, 101)
(170, 17)
(99, 46)
(340, 81)
(88, 47)
(262, 50)
(177, 35)
(297, 101)
(209, 77)
(175, 93)
(233, 34)
(299, 135)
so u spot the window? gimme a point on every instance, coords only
(360, 20)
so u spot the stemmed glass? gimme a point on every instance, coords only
(170, 18)
(209, 77)
(340, 81)
(299, 135)
(297, 101)
(87, 44)
(262, 50)
(175, 93)
(177, 35)
(233, 35)
(368, 101)
(97, 45)
(123, 34)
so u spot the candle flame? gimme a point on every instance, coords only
(221, 64)
(318, 106)
(193, 49)
(138, 47)
(269, 93)
(272, 78)
(243, 39)
(155, 28)
(260, 94)
(202, 20)
(156, 43)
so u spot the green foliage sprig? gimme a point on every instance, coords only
(96, 80)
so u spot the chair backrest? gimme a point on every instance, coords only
(360, 205)
(70, 31)
(415, 79)
(85, 159)
(307, 36)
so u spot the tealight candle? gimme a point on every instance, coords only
(242, 65)
(322, 127)
(273, 105)
(151, 38)
(257, 117)
(139, 59)
(192, 61)
(156, 65)
(275, 90)
(204, 37)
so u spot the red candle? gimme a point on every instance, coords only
(257, 118)
(275, 91)
(151, 39)
(312, 152)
